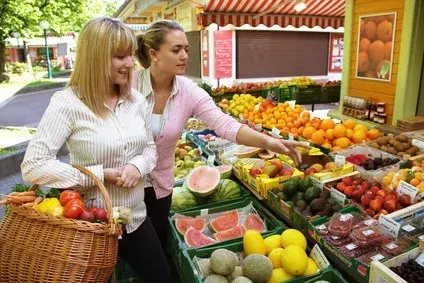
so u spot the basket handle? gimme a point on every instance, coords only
(99, 184)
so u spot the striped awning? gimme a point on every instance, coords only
(322, 13)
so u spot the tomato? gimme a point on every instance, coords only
(67, 195)
(73, 208)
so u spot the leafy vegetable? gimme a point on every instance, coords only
(19, 188)
(53, 193)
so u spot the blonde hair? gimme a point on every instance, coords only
(99, 40)
(153, 38)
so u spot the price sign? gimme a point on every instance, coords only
(317, 183)
(340, 160)
(211, 160)
(406, 189)
(390, 226)
(338, 196)
(418, 143)
(292, 103)
(318, 256)
(291, 137)
(420, 259)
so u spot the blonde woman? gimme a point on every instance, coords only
(106, 126)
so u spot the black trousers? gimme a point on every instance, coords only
(142, 249)
(158, 212)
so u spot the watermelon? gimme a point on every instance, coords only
(229, 234)
(254, 222)
(203, 181)
(182, 199)
(227, 190)
(196, 239)
(225, 222)
(225, 170)
(183, 224)
(247, 152)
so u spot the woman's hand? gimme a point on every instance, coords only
(288, 148)
(111, 175)
(130, 176)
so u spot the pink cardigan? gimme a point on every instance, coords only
(190, 100)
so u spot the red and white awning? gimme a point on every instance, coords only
(322, 13)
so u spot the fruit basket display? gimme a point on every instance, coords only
(38, 246)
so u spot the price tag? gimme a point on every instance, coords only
(377, 257)
(211, 160)
(321, 227)
(335, 237)
(292, 103)
(318, 256)
(340, 160)
(338, 196)
(204, 211)
(184, 136)
(317, 183)
(275, 131)
(291, 137)
(258, 127)
(368, 232)
(370, 222)
(345, 217)
(420, 259)
(390, 226)
(408, 228)
(406, 189)
(391, 246)
(305, 143)
(421, 237)
(351, 247)
(418, 143)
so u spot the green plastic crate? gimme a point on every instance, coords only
(330, 94)
(307, 95)
(175, 241)
(330, 274)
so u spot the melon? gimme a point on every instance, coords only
(183, 224)
(225, 171)
(223, 261)
(196, 239)
(254, 222)
(182, 199)
(257, 268)
(229, 234)
(227, 190)
(225, 222)
(247, 152)
(215, 278)
(266, 154)
(203, 181)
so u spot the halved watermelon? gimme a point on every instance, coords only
(182, 224)
(225, 170)
(254, 222)
(225, 222)
(196, 239)
(232, 233)
(203, 180)
(247, 152)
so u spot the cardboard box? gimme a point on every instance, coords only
(265, 184)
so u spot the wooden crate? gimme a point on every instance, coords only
(411, 123)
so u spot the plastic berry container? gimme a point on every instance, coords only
(322, 229)
(367, 236)
(351, 250)
(337, 241)
(341, 224)
(394, 247)
(374, 255)
(368, 222)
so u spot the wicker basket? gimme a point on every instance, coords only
(39, 247)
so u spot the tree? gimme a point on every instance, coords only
(64, 16)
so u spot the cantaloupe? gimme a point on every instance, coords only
(257, 268)
(223, 261)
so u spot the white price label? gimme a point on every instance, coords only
(317, 183)
(291, 137)
(184, 136)
(211, 160)
(335, 237)
(391, 246)
(321, 227)
(421, 237)
(292, 103)
(258, 127)
(377, 257)
(338, 196)
(370, 222)
(418, 143)
(204, 211)
(406, 189)
(275, 131)
(318, 256)
(368, 232)
(351, 247)
(420, 259)
(340, 160)
(389, 226)
(408, 228)
(345, 217)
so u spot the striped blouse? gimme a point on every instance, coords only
(123, 137)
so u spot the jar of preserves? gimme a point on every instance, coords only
(381, 107)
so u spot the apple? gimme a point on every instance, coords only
(376, 204)
(87, 216)
(390, 205)
(348, 181)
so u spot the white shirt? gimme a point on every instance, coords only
(124, 136)
(156, 124)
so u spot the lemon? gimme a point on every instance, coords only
(312, 267)
(272, 242)
(294, 260)
(279, 275)
(293, 237)
(253, 243)
(275, 257)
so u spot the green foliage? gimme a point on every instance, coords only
(55, 65)
(17, 68)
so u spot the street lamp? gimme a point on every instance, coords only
(45, 26)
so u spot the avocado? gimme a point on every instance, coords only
(290, 188)
(305, 183)
(325, 194)
(317, 205)
(336, 207)
(301, 205)
(328, 209)
(290, 203)
(312, 193)
(332, 201)
(283, 196)
(296, 181)
(298, 196)
(306, 213)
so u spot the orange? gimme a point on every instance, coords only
(387, 50)
(359, 136)
(306, 115)
(336, 148)
(343, 142)
(327, 145)
(290, 125)
(339, 131)
(360, 127)
(364, 45)
(297, 123)
(327, 124)
(373, 134)
(318, 138)
(385, 31)
(304, 121)
(349, 134)
(300, 129)
(286, 130)
(363, 62)
(370, 30)
(293, 130)
(349, 124)
(308, 131)
(415, 182)
(329, 134)
(316, 125)
(376, 51)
